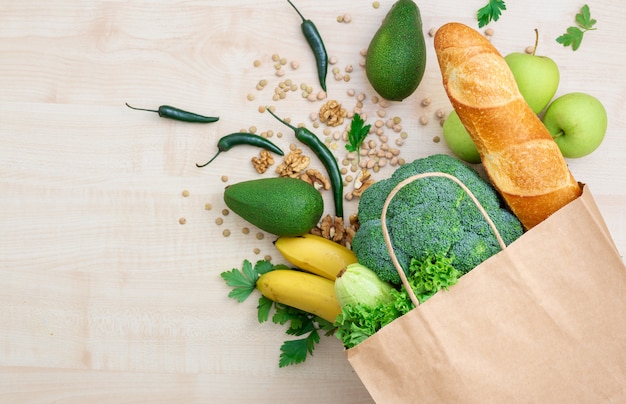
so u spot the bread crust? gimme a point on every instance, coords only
(520, 157)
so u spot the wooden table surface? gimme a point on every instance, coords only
(104, 295)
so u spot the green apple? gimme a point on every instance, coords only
(537, 77)
(577, 123)
(459, 140)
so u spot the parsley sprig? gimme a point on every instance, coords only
(357, 134)
(244, 280)
(574, 34)
(490, 12)
(299, 323)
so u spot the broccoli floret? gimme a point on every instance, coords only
(432, 216)
(471, 250)
(507, 224)
(371, 202)
(429, 219)
(372, 252)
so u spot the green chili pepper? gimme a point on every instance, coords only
(313, 37)
(166, 111)
(241, 138)
(326, 157)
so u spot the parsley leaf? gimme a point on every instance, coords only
(490, 12)
(299, 323)
(295, 351)
(244, 280)
(357, 133)
(264, 308)
(574, 34)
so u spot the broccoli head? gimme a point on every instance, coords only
(369, 241)
(431, 216)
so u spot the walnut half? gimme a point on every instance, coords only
(362, 182)
(316, 178)
(263, 162)
(334, 229)
(332, 114)
(293, 164)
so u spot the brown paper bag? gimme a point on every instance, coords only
(543, 321)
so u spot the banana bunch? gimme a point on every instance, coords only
(312, 289)
(316, 254)
(308, 292)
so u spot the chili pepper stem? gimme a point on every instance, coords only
(141, 109)
(297, 11)
(208, 162)
(280, 120)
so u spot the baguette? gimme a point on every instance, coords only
(518, 153)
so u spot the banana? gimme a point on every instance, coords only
(316, 254)
(308, 292)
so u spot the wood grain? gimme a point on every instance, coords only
(105, 296)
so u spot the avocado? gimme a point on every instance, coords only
(281, 206)
(396, 56)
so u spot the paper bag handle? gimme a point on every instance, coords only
(383, 220)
